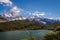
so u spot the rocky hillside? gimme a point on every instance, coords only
(2, 19)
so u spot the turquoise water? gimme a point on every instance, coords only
(18, 35)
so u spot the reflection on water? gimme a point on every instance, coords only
(18, 35)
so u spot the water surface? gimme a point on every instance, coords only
(18, 35)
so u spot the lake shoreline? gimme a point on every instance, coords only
(22, 30)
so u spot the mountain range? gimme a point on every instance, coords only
(45, 21)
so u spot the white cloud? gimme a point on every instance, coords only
(7, 2)
(10, 3)
(15, 9)
(49, 17)
(37, 13)
(42, 13)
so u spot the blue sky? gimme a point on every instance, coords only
(51, 8)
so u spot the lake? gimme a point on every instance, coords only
(18, 35)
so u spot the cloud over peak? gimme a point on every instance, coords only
(15, 9)
(37, 13)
